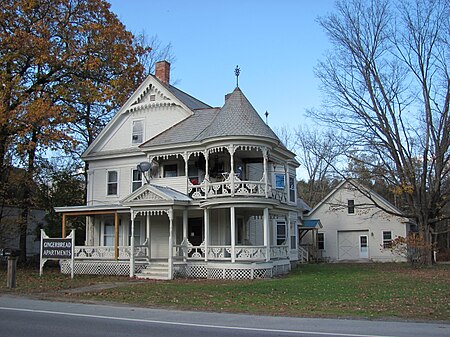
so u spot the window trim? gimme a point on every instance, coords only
(279, 187)
(278, 237)
(292, 189)
(108, 183)
(137, 233)
(351, 206)
(386, 244)
(133, 133)
(322, 234)
(164, 170)
(136, 181)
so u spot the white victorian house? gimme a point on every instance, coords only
(356, 224)
(179, 188)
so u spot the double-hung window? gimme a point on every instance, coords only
(279, 181)
(137, 232)
(351, 206)
(281, 232)
(291, 189)
(112, 183)
(387, 239)
(321, 241)
(136, 180)
(137, 136)
(170, 170)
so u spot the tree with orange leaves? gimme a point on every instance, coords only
(58, 60)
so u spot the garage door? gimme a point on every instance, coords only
(353, 245)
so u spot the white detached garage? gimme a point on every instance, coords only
(354, 228)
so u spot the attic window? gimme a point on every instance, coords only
(152, 98)
(137, 136)
(351, 206)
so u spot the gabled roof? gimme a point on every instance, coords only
(191, 102)
(379, 199)
(238, 118)
(172, 96)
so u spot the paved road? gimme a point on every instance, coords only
(20, 317)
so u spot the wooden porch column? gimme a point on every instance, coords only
(206, 239)
(132, 245)
(170, 214)
(149, 240)
(233, 233)
(185, 224)
(266, 173)
(286, 182)
(63, 230)
(116, 235)
(206, 154)
(186, 168)
(288, 233)
(231, 151)
(266, 232)
(185, 232)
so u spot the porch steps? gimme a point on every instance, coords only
(155, 271)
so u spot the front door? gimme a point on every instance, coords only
(363, 247)
(195, 231)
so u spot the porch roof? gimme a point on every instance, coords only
(155, 195)
(311, 224)
(93, 208)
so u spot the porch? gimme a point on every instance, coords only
(163, 242)
(213, 262)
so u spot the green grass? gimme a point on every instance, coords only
(325, 290)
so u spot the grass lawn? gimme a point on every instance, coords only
(338, 290)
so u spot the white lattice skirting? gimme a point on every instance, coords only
(101, 267)
(211, 270)
(228, 271)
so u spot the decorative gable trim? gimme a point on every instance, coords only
(145, 195)
(138, 101)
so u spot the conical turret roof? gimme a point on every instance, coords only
(237, 118)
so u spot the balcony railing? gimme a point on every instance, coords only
(226, 188)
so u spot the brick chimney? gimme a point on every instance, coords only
(162, 71)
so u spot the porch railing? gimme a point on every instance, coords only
(224, 253)
(277, 252)
(226, 188)
(303, 254)
(108, 252)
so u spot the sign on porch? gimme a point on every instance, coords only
(57, 249)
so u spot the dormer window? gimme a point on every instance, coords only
(137, 136)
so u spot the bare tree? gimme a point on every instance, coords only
(387, 88)
(318, 153)
(157, 51)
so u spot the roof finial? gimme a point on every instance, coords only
(237, 71)
(267, 116)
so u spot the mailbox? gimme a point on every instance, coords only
(9, 252)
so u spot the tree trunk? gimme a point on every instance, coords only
(27, 197)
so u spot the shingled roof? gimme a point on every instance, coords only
(237, 118)
(185, 131)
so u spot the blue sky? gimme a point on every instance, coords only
(276, 44)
